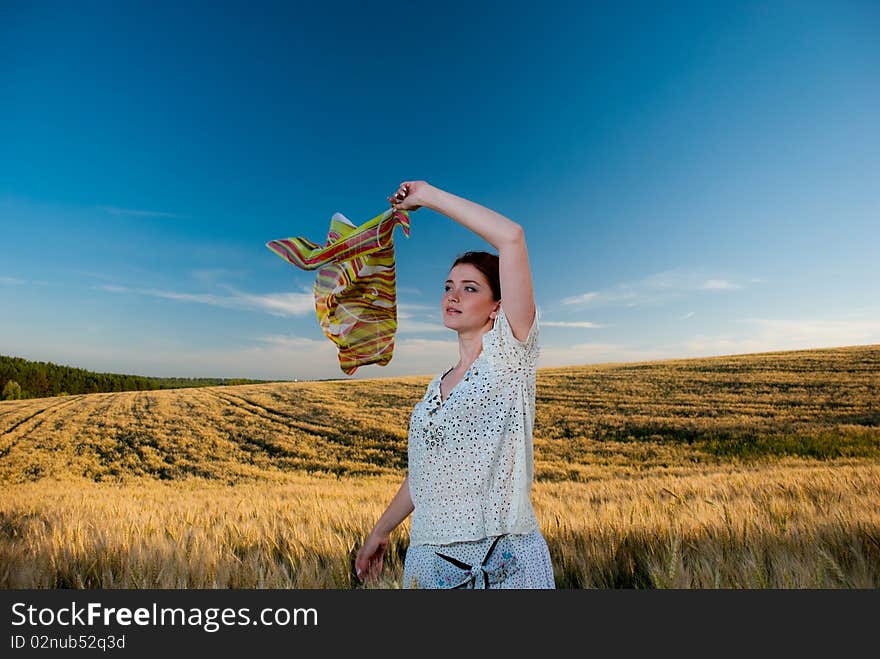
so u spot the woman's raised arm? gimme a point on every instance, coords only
(505, 235)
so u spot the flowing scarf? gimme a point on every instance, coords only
(355, 288)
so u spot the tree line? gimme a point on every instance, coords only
(22, 378)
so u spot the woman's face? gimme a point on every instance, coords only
(467, 299)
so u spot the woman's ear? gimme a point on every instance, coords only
(495, 313)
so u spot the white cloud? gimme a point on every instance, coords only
(276, 304)
(137, 213)
(279, 304)
(718, 285)
(654, 289)
(819, 332)
(758, 335)
(578, 323)
(12, 281)
(580, 299)
(771, 335)
(201, 298)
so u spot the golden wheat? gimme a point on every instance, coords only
(793, 525)
(749, 471)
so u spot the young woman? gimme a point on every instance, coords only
(470, 438)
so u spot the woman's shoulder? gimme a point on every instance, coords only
(501, 340)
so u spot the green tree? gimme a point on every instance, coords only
(12, 390)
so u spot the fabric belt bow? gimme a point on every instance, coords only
(478, 576)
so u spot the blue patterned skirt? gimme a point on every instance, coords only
(505, 561)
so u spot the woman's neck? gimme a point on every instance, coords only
(470, 345)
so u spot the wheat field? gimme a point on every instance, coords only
(749, 471)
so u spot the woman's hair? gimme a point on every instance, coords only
(487, 264)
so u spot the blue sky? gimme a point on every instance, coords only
(694, 179)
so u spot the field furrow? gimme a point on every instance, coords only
(29, 425)
(273, 415)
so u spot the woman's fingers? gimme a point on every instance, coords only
(400, 195)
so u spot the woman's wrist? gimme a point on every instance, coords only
(380, 532)
(432, 196)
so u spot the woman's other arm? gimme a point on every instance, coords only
(368, 562)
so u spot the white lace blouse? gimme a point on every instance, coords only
(471, 462)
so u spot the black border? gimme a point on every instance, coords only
(699, 622)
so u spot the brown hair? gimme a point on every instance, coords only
(487, 264)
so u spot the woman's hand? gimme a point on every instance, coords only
(411, 195)
(368, 563)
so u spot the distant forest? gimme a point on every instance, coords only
(21, 378)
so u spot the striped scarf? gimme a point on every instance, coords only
(355, 289)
